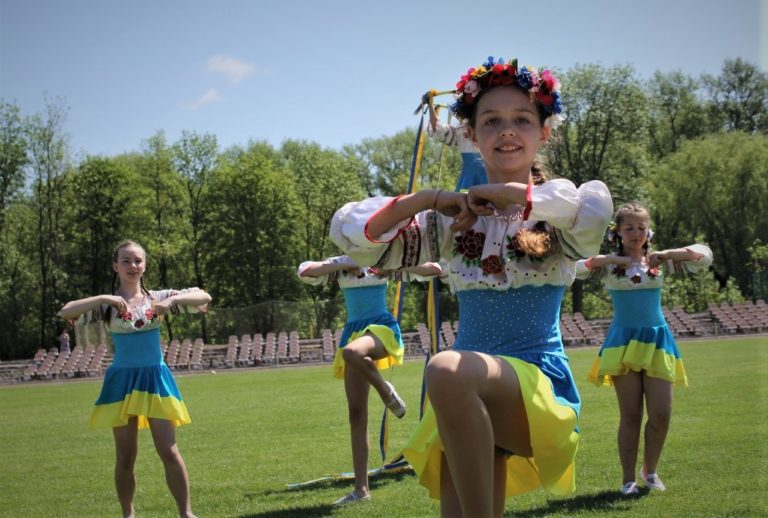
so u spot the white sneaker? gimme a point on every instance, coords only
(652, 480)
(351, 498)
(630, 488)
(395, 403)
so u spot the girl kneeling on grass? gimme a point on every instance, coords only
(504, 406)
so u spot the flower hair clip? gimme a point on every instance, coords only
(543, 87)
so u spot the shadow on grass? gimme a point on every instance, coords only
(322, 509)
(609, 501)
(313, 510)
(373, 483)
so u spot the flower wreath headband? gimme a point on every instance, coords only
(543, 87)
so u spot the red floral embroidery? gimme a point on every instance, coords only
(619, 271)
(635, 279)
(138, 324)
(125, 316)
(149, 314)
(492, 264)
(470, 244)
(653, 272)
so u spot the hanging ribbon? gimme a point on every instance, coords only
(418, 149)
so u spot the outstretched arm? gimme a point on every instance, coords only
(453, 204)
(75, 308)
(191, 297)
(674, 254)
(425, 270)
(318, 269)
(598, 261)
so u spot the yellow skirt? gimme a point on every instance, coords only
(554, 440)
(391, 343)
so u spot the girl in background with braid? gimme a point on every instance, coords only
(640, 357)
(138, 390)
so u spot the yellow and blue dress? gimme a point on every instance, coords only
(509, 306)
(365, 300)
(639, 338)
(138, 383)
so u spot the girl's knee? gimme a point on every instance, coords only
(659, 418)
(126, 459)
(631, 418)
(350, 354)
(169, 455)
(445, 377)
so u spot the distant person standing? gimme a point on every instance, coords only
(64, 341)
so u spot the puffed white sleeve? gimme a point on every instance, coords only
(92, 315)
(703, 262)
(408, 243)
(443, 133)
(321, 279)
(584, 272)
(579, 215)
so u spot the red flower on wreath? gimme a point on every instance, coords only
(149, 314)
(492, 264)
(470, 244)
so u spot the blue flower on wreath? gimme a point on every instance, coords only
(525, 78)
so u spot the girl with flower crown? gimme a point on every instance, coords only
(504, 408)
(370, 342)
(139, 390)
(639, 356)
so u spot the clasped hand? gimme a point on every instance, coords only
(464, 208)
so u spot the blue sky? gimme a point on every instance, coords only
(332, 71)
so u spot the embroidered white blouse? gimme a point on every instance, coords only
(141, 317)
(485, 256)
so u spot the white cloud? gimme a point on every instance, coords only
(209, 97)
(233, 69)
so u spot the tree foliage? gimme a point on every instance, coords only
(238, 221)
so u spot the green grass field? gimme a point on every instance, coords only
(254, 431)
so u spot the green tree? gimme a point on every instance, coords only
(98, 215)
(604, 134)
(251, 239)
(49, 158)
(676, 113)
(714, 189)
(195, 157)
(13, 155)
(738, 97)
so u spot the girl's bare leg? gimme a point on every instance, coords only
(478, 406)
(126, 448)
(357, 388)
(658, 402)
(629, 391)
(164, 436)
